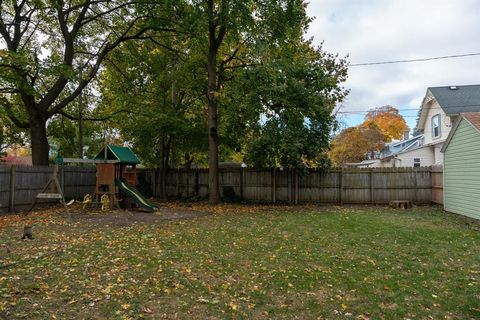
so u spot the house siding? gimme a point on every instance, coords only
(438, 155)
(445, 123)
(425, 154)
(462, 171)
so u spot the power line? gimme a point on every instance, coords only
(406, 109)
(360, 114)
(416, 60)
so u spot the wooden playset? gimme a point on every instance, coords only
(116, 177)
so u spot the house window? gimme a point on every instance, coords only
(416, 162)
(436, 126)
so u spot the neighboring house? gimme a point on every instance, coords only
(440, 107)
(461, 169)
(402, 153)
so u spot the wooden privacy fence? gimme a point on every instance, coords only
(20, 185)
(340, 186)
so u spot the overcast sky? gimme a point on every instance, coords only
(383, 30)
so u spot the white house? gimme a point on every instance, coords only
(440, 108)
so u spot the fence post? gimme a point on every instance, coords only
(11, 199)
(340, 186)
(242, 170)
(177, 174)
(289, 183)
(415, 185)
(154, 182)
(372, 198)
(274, 185)
(187, 173)
(296, 187)
(197, 184)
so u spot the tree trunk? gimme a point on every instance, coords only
(80, 125)
(214, 194)
(39, 142)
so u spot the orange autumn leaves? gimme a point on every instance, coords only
(388, 120)
(362, 142)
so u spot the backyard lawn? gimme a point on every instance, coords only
(249, 262)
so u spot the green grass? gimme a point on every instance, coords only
(319, 262)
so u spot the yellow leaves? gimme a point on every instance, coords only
(216, 94)
(225, 285)
(107, 289)
(44, 286)
(126, 306)
(155, 51)
(146, 310)
(390, 122)
(233, 306)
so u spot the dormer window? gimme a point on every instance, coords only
(436, 126)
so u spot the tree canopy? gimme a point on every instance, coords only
(183, 82)
(54, 49)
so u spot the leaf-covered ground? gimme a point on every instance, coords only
(247, 262)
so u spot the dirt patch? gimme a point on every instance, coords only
(122, 218)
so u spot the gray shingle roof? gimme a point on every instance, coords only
(455, 101)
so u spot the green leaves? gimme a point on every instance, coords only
(294, 91)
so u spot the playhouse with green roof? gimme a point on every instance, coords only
(116, 167)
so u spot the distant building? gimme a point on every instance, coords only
(440, 108)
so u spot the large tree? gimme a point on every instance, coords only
(226, 25)
(231, 33)
(294, 90)
(389, 120)
(366, 141)
(157, 82)
(54, 49)
(355, 144)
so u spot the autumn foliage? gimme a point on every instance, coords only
(354, 144)
(362, 142)
(388, 120)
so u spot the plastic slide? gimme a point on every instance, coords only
(135, 195)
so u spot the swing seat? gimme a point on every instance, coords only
(49, 196)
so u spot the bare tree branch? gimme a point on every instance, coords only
(105, 118)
